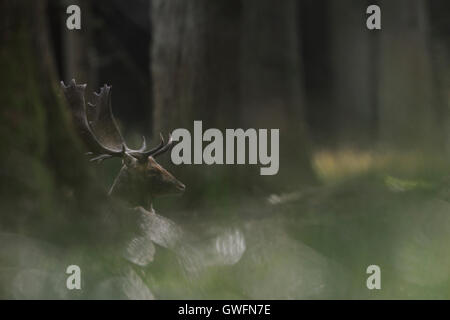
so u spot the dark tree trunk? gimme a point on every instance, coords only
(271, 84)
(231, 64)
(46, 186)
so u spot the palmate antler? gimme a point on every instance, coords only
(98, 128)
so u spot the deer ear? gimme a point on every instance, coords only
(129, 160)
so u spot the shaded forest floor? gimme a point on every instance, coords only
(391, 211)
(314, 242)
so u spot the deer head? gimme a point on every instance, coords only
(141, 178)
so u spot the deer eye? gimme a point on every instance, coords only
(129, 161)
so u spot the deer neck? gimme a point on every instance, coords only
(126, 189)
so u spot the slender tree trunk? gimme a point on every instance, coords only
(79, 55)
(353, 51)
(439, 43)
(408, 117)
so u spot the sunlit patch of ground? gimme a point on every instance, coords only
(335, 165)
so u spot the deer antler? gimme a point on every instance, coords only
(98, 128)
(101, 119)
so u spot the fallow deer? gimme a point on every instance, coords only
(141, 178)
